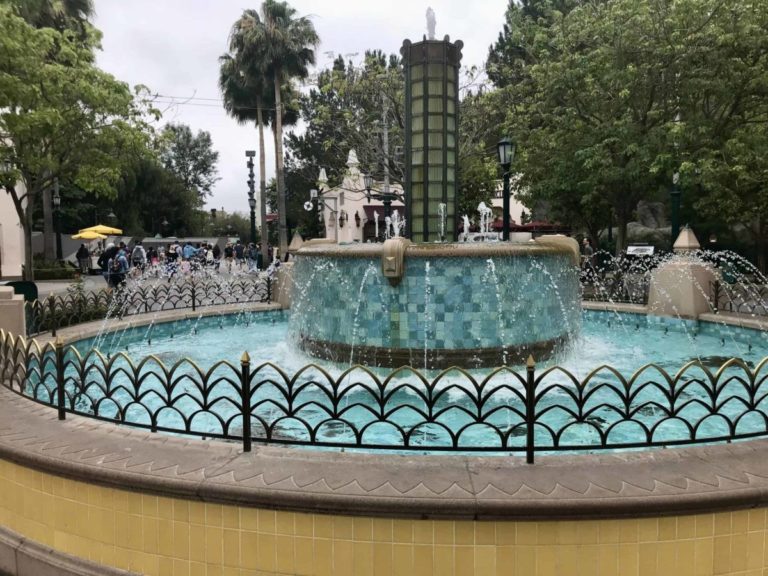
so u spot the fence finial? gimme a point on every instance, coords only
(530, 363)
(245, 358)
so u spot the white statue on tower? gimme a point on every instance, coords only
(431, 23)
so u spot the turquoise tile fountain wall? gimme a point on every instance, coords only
(441, 304)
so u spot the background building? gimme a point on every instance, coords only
(347, 213)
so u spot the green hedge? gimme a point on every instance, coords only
(55, 273)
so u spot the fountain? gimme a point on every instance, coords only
(434, 303)
(435, 297)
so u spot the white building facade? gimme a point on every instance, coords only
(347, 213)
(11, 237)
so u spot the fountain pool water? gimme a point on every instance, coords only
(597, 393)
(625, 341)
(324, 406)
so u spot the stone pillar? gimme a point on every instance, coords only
(682, 287)
(12, 318)
(282, 283)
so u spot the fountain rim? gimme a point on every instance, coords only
(647, 483)
(603, 485)
(436, 250)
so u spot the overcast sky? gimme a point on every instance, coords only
(172, 46)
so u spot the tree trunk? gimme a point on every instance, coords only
(621, 235)
(29, 271)
(282, 230)
(49, 238)
(262, 187)
(761, 245)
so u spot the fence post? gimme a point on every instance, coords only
(716, 295)
(530, 407)
(245, 399)
(269, 289)
(58, 346)
(194, 295)
(52, 308)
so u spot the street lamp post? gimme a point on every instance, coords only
(385, 197)
(57, 216)
(252, 204)
(315, 198)
(674, 196)
(251, 192)
(506, 152)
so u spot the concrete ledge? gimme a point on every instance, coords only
(609, 485)
(614, 307)
(20, 556)
(91, 329)
(605, 485)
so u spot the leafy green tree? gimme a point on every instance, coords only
(61, 117)
(280, 44)
(480, 129)
(60, 15)
(609, 98)
(191, 158)
(345, 111)
(525, 23)
(723, 129)
(596, 109)
(149, 195)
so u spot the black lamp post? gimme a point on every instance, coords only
(506, 151)
(674, 196)
(57, 215)
(251, 192)
(252, 204)
(386, 198)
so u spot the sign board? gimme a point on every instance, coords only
(640, 250)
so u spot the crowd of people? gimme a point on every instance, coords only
(118, 262)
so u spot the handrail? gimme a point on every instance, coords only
(551, 410)
(60, 310)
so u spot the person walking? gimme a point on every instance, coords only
(216, 257)
(229, 254)
(252, 255)
(240, 254)
(139, 257)
(83, 256)
(117, 269)
(106, 257)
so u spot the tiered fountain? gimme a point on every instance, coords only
(426, 303)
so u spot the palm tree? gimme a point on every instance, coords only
(245, 94)
(57, 14)
(282, 45)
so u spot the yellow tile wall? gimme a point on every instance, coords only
(172, 537)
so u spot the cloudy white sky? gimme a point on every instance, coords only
(172, 46)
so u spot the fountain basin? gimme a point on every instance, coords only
(469, 305)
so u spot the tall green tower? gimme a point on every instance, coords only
(431, 137)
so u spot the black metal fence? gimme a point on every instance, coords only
(61, 310)
(741, 298)
(624, 288)
(503, 411)
(625, 280)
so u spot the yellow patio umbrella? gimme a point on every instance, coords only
(102, 229)
(88, 235)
